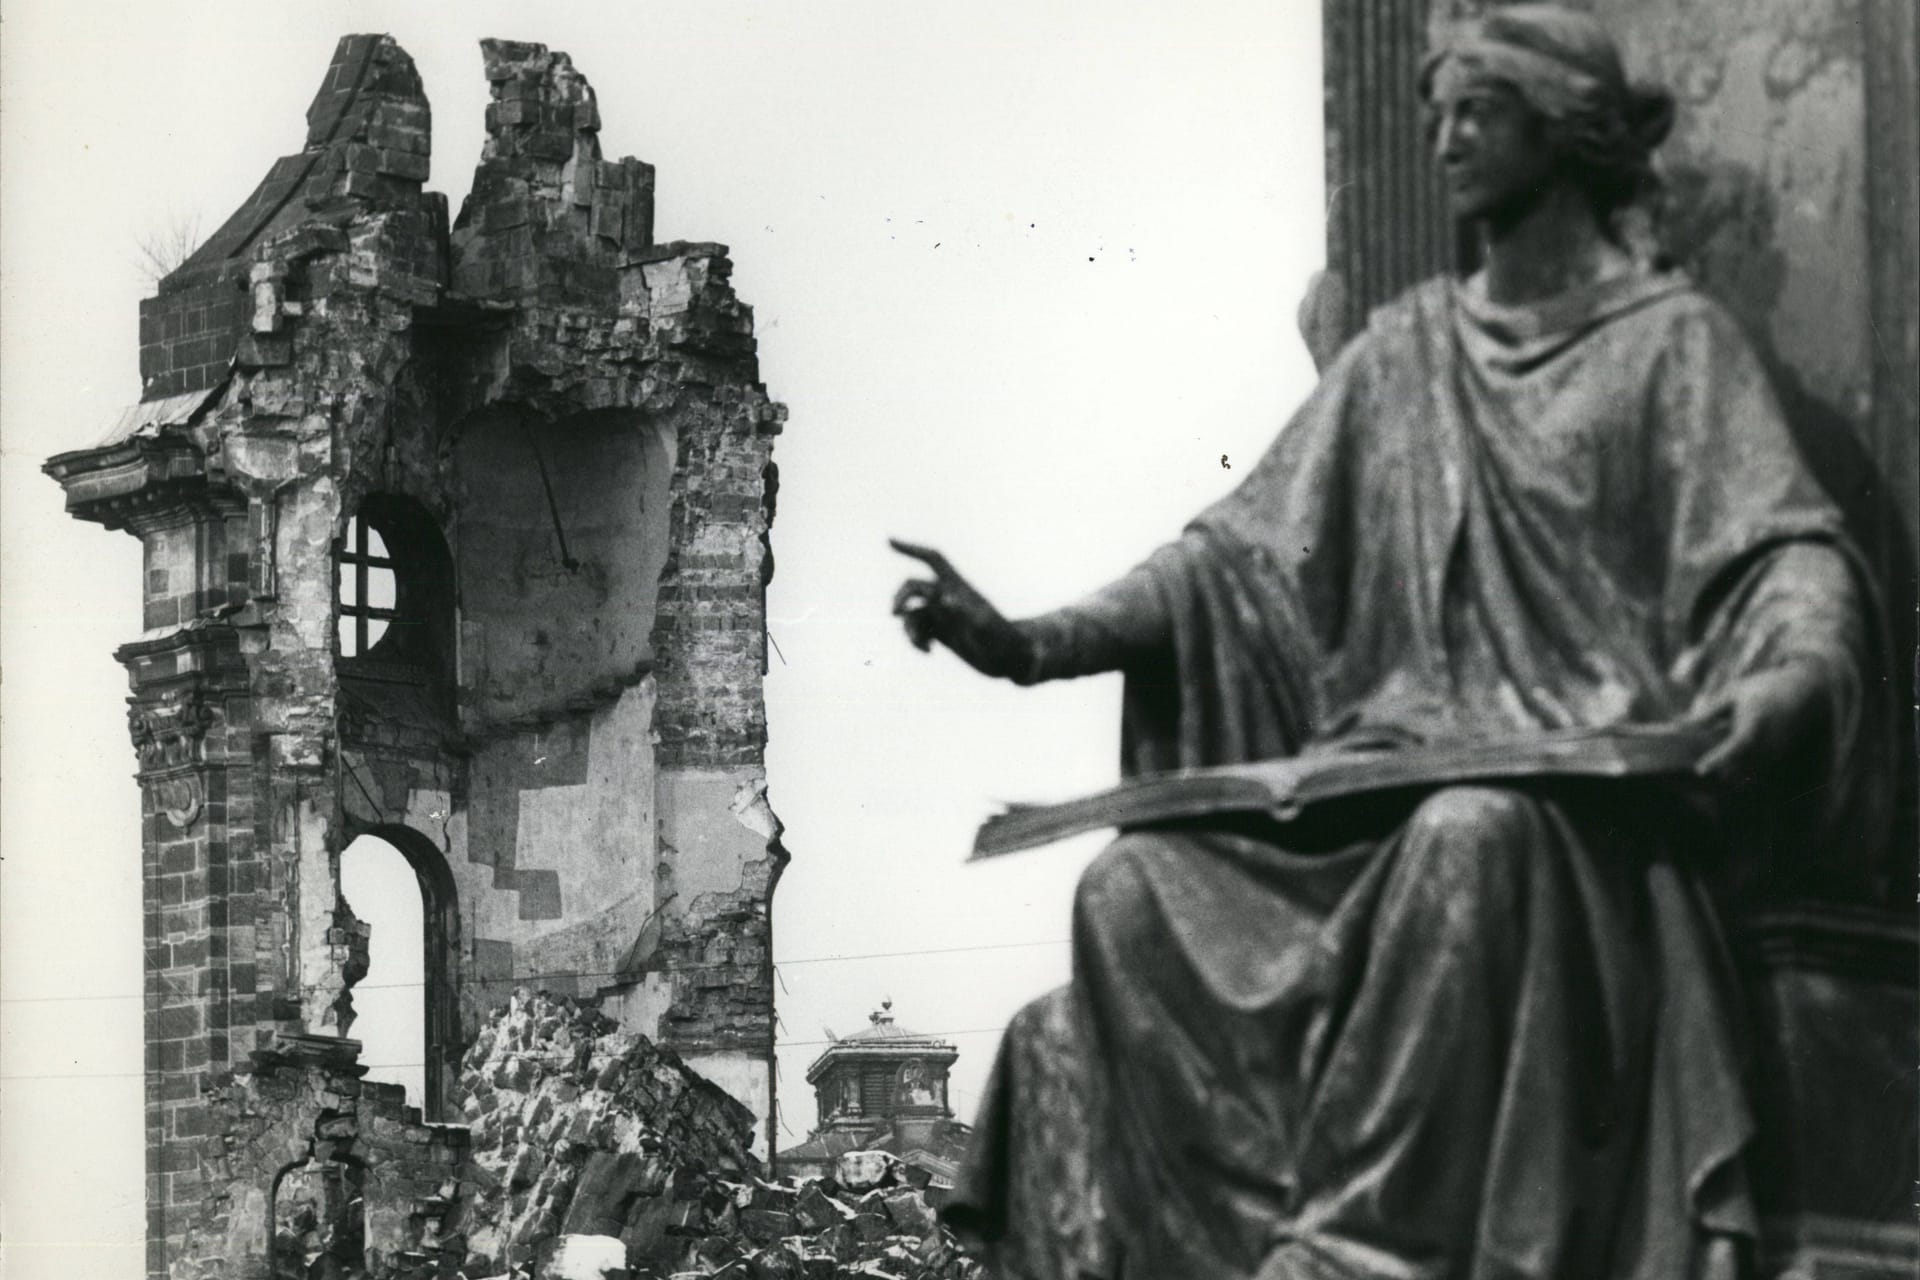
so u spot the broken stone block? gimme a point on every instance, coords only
(764, 1226)
(814, 1211)
(860, 1170)
(910, 1213)
(775, 1262)
(718, 1251)
(609, 1183)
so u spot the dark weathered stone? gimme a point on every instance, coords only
(1791, 197)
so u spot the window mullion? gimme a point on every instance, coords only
(360, 587)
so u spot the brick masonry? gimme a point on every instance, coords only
(563, 735)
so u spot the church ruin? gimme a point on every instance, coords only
(455, 534)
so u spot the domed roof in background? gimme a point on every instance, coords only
(881, 1027)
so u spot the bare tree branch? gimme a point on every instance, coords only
(161, 249)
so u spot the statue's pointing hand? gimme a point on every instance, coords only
(946, 608)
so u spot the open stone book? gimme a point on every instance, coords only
(1283, 788)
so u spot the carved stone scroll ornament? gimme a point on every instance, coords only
(167, 730)
(167, 733)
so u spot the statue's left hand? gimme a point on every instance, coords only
(1768, 715)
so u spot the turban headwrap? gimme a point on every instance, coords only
(1565, 66)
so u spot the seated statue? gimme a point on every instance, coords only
(1483, 1031)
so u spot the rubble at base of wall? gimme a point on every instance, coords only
(584, 1136)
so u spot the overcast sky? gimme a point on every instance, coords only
(1024, 274)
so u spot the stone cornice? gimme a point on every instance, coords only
(935, 1052)
(203, 637)
(139, 484)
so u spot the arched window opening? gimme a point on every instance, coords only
(391, 1003)
(367, 589)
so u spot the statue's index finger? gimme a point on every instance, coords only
(925, 555)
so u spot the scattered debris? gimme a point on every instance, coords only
(585, 1136)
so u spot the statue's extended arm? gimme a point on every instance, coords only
(1117, 628)
(1113, 629)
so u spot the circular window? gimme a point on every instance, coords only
(393, 592)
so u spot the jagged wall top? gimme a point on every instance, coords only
(547, 218)
(541, 102)
(369, 135)
(369, 141)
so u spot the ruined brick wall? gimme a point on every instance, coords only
(368, 135)
(306, 1159)
(187, 335)
(547, 218)
(579, 784)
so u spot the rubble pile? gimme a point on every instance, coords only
(584, 1135)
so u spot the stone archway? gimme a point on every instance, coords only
(428, 1052)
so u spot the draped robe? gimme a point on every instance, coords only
(1482, 1032)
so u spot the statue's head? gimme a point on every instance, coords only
(1531, 96)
